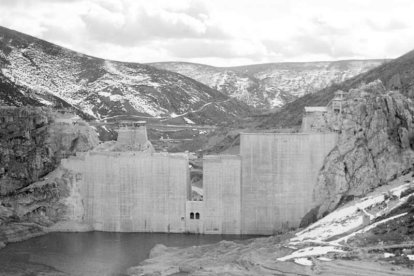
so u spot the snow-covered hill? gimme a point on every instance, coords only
(45, 72)
(274, 84)
(232, 83)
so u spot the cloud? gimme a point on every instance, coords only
(194, 48)
(387, 26)
(139, 23)
(8, 3)
(218, 32)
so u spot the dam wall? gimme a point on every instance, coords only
(279, 172)
(222, 194)
(266, 189)
(133, 191)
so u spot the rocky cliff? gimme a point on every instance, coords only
(33, 192)
(375, 145)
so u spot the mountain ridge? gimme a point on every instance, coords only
(271, 85)
(103, 88)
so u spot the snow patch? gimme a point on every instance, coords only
(116, 98)
(324, 259)
(104, 94)
(43, 101)
(310, 251)
(276, 102)
(345, 220)
(303, 261)
(348, 221)
(188, 121)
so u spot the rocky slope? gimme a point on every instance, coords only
(274, 84)
(33, 194)
(375, 145)
(45, 73)
(397, 74)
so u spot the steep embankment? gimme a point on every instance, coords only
(33, 194)
(49, 74)
(273, 84)
(395, 74)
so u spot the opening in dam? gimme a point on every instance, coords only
(92, 253)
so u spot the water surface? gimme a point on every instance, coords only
(90, 253)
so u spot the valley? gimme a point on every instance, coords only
(95, 145)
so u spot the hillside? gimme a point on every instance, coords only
(395, 74)
(274, 84)
(38, 72)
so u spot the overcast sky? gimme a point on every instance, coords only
(219, 32)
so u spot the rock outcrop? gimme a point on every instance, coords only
(375, 145)
(34, 192)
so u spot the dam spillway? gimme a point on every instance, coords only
(264, 190)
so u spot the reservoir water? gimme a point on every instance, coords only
(91, 253)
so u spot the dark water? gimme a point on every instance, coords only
(90, 253)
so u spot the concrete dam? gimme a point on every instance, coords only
(265, 189)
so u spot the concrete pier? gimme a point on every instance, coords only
(279, 173)
(222, 194)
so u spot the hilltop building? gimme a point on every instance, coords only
(324, 118)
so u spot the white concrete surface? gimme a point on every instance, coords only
(222, 194)
(279, 173)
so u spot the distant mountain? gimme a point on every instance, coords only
(237, 85)
(34, 71)
(273, 84)
(394, 74)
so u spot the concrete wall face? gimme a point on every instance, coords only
(268, 188)
(279, 172)
(132, 135)
(195, 217)
(222, 194)
(134, 192)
